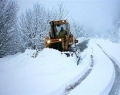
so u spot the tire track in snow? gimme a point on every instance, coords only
(116, 86)
(73, 85)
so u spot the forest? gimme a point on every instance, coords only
(17, 33)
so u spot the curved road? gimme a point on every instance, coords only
(116, 86)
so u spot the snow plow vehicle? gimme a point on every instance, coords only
(60, 37)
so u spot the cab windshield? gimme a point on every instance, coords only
(58, 29)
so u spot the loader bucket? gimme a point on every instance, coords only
(57, 46)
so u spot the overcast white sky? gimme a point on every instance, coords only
(97, 14)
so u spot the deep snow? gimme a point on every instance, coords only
(51, 72)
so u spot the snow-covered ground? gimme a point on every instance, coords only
(51, 72)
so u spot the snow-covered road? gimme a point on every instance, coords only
(101, 78)
(116, 86)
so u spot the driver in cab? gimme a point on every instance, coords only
(62, 33)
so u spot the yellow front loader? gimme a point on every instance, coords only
(60, 37)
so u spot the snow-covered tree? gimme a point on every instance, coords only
(8, 14)
(114, 36)
(62, 13)
(77, 29)
(34, 26)
(17, 40)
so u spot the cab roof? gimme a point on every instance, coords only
(59, 22)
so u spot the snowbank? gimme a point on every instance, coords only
(49, 71)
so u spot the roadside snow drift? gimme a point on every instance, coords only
(24, 75)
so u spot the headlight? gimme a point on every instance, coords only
(59, 39)
(48, 41)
